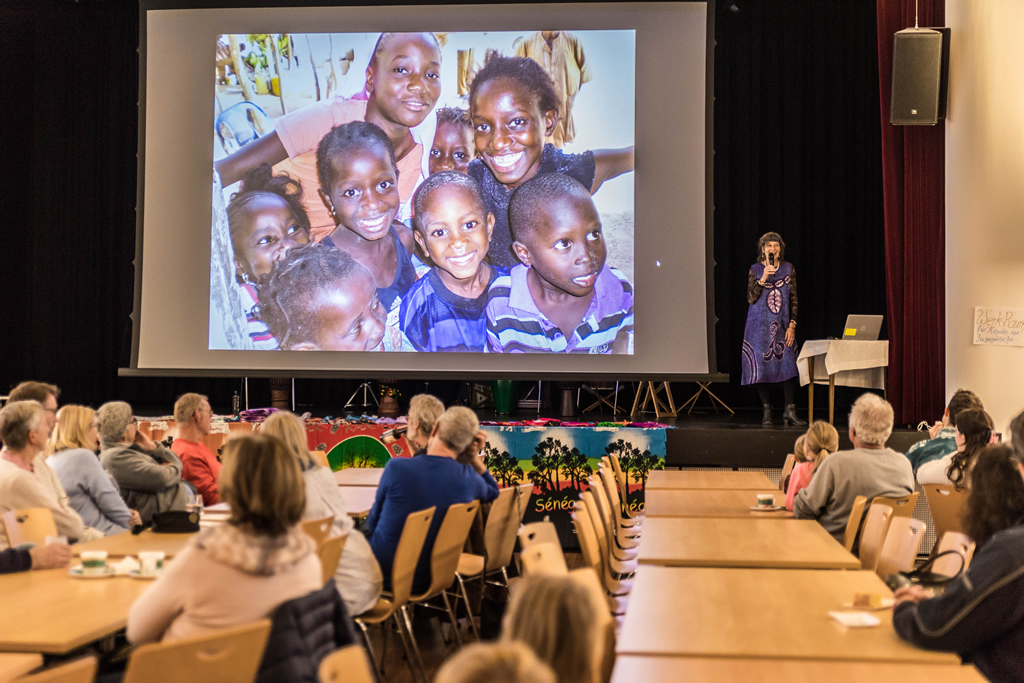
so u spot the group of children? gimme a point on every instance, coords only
(505, 255)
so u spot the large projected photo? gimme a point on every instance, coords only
(424, 192)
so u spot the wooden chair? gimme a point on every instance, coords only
(615, 592)
(853, 524)
(618, 567)
(538, 532)
(329, 552)
(229, 656)
(544, 558)
(29, 525)
(634, 525)
(444, 560)
(321, 458)
(902, 542)
(523, 499)
(318, 529)
(787, 469)
(902, 506)
(947, 506)
(624, 540)
(346, 665)
(872, 535)
(403, 569)
(79, 671)
(950, 565)
(499, 541)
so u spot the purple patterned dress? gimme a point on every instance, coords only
(766, 358)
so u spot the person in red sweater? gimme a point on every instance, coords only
(200, 465)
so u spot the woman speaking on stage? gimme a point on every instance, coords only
(769, 339)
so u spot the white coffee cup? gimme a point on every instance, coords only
(765, 499)
(50, 540)
(94, 562)
(151, 562)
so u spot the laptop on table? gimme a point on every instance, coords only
(862, 327)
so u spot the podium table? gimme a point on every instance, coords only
(846, 363)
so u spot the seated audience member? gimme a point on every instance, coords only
(199, 464)
(821, 440)
(799, 457)
(47, 395)
(869, 470)
(980, 616)
(91, 491)
(973, 432)
(240, 571)
(563, 297)
(941, 441)
(147, 474)
(558, 618)
(424, 410)
(495, 663)
(24, 431)
(451, 472)
(358, 576)
(53, 556)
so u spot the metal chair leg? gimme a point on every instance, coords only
(451, 615)
(377, 673)
(412, 640)
(406, 645)
(469, 609)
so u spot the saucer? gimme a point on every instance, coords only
(108, 572)
(767, 508)
(135, 574)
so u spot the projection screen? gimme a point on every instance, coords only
(304, 208)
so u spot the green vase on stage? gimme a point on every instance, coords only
(504, 395)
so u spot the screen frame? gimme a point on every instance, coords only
(709, 262)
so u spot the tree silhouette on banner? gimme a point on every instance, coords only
(633, 462)
(575, 467)
(502, 465)
(547, 461)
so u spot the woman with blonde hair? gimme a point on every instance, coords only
(820, 441)
(358, 578)
(558, 618)
(240, 571)
(508, 662)
(71, 452)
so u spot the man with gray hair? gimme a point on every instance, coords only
(193, 417)
(869, 470)
(147, 474)
(451, 472)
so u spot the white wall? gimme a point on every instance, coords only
(985, 196)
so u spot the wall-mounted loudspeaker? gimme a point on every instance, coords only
(920, 76)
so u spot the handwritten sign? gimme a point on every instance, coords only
(999, 326)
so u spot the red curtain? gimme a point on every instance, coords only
(913, 172)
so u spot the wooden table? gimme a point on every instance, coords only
(711, 503)
(124, 544)
(49, 611)
(724, 542)
(771, 613)
(358, 499)
(13, 664)
(725, 479)
(631, 668)
(359, 476)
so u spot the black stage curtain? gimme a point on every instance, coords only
(797, 151)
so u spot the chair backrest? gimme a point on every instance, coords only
(950, 565)
(318, 529)
(853, 524)
(29, 525)
(603, 506)
(611, 491)
(902, 542)
(407, 554)
(538, 532)
(347, 664)
(787, 469)
(229, 656)
(448, 545)
(902, 506)
(544, 558)
(500, 530)
(586, 537)
(947, 506)
(872, 535)
(329, 552)
(321, 458)
(523, 501)
(79, 671)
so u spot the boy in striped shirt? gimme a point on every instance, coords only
(563, 297)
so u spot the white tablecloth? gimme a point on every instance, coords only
(854, 363)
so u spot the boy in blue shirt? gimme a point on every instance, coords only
(563, 297)
(444, 310)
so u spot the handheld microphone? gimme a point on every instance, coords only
(390, 436)
(771, 262)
